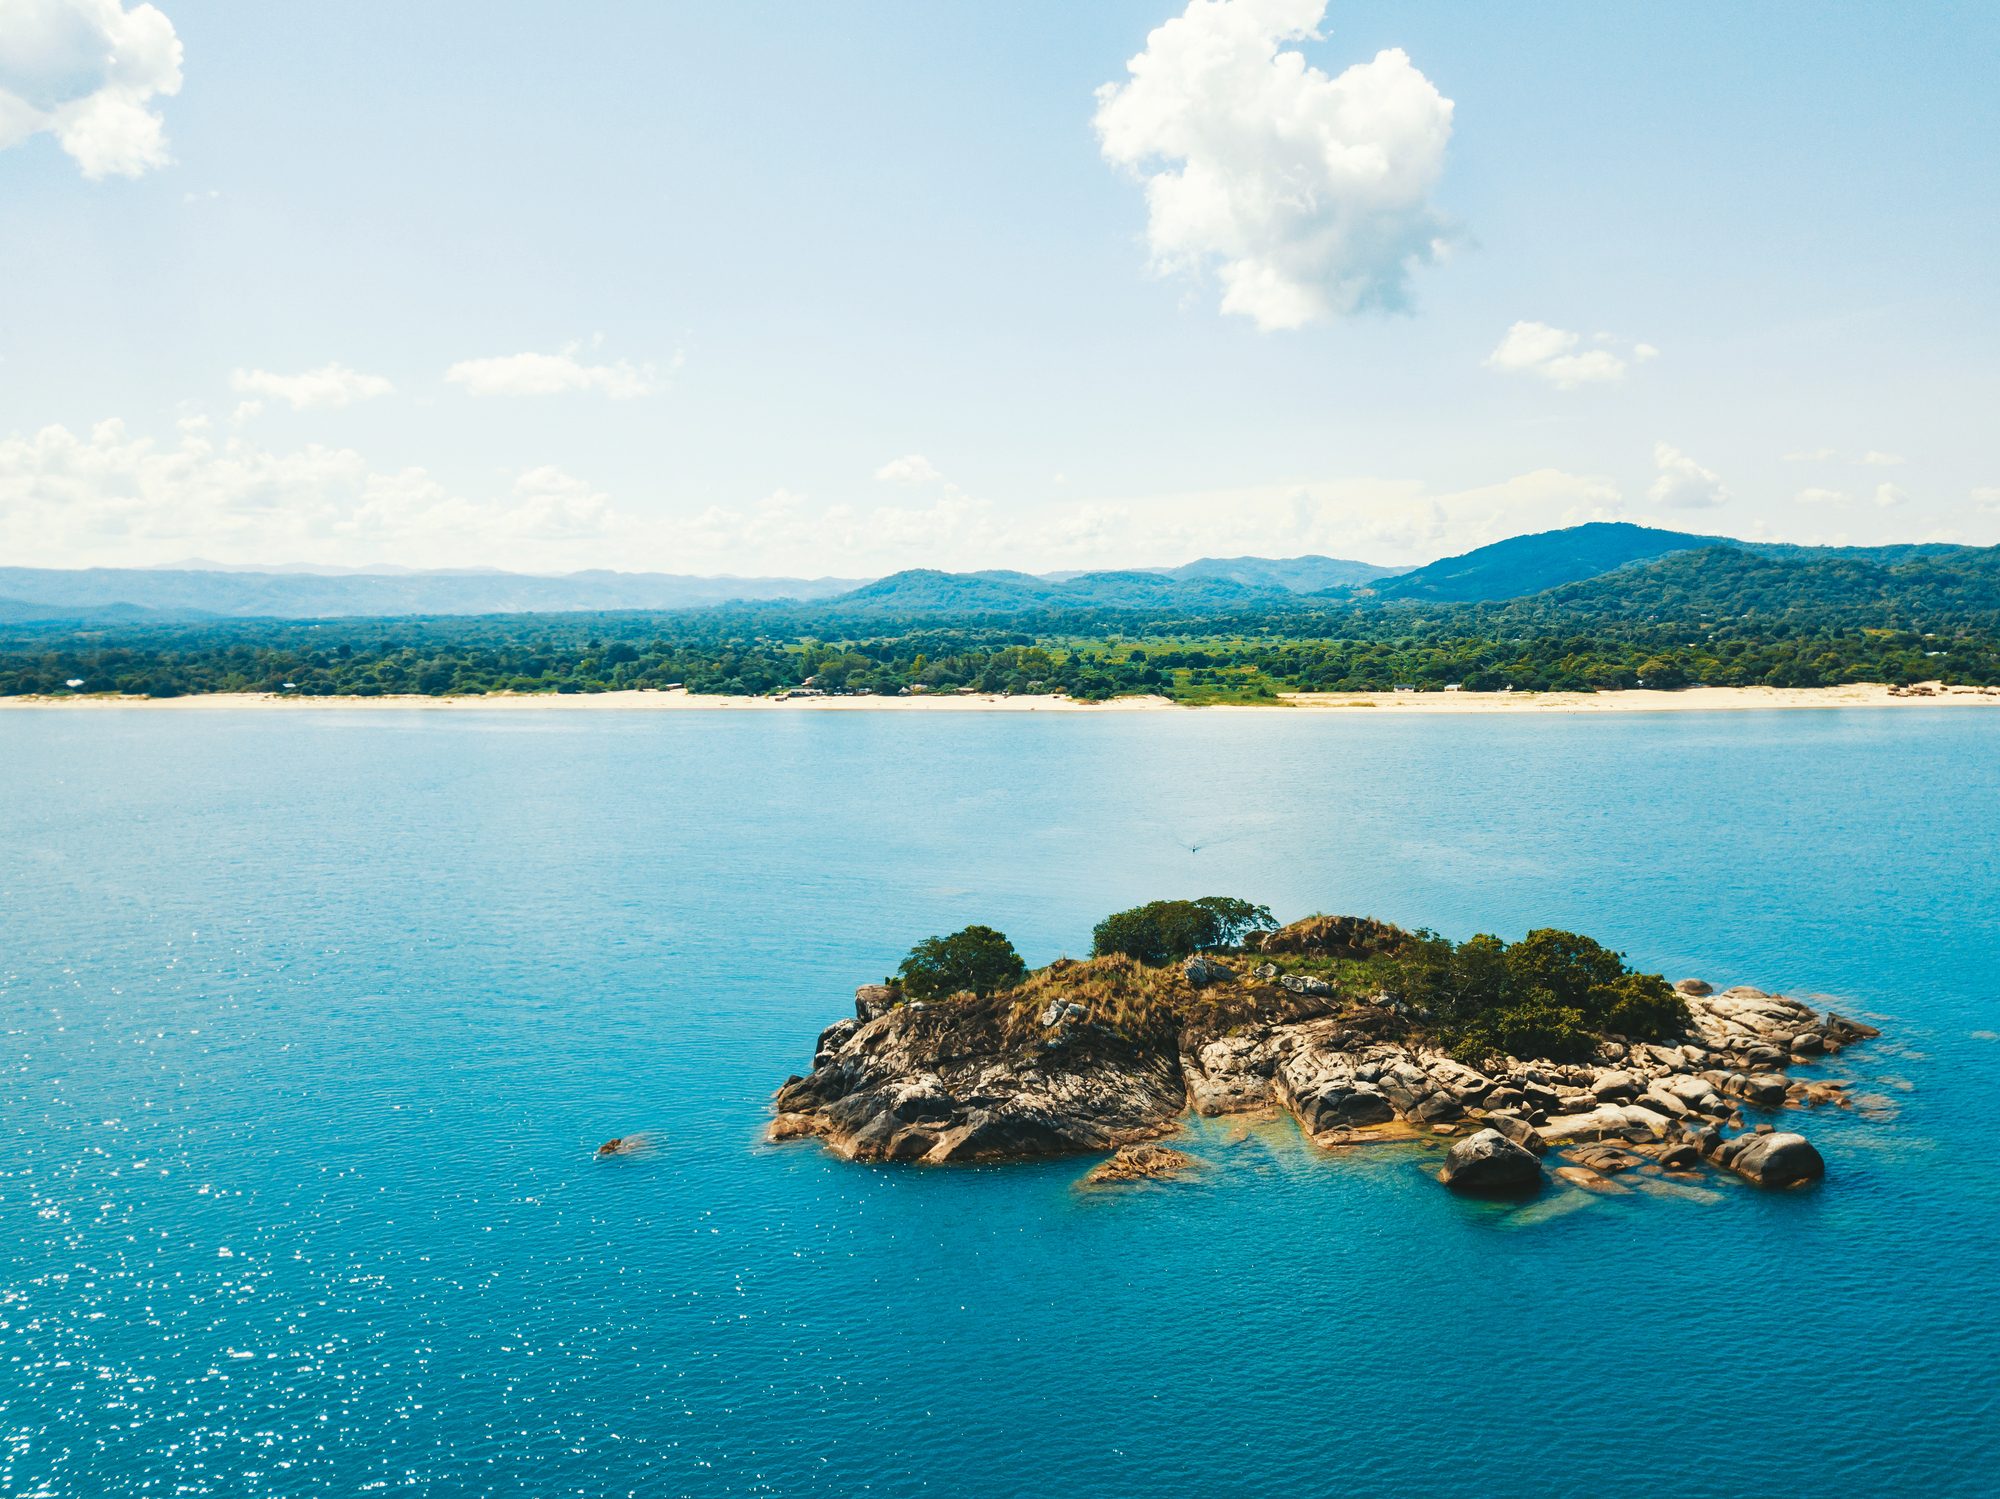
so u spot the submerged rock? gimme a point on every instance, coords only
(1133, 1163)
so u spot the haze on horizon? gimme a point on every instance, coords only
(768, 290)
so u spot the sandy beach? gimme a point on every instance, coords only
(1692, 699)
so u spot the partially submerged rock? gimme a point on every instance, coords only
(1773, 1159)
(1131, 1163)
(1489, 1164)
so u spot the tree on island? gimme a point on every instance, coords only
(1163, 930)
(1552, 994)
(978, 960)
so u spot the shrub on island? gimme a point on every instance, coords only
(977, 960)
(1162, 931)
(1553, 994)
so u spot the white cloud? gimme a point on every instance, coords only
(87, 72)
(105, 496)
(1310, 195)
(1889, 496)
(108, 497)
(911, 468)
(1873, 458)
(1644, 352)
(327, 388)
(1987, 497)
(1683, 483)
(1551, 354)
(552, 374)
(1822, 497)
(1374, 519)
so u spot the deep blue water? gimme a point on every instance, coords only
(310, 1022)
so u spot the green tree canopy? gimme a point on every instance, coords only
(1552, 994)
(977, 959)
(1163, 930)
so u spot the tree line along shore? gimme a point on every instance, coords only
(1720, 617)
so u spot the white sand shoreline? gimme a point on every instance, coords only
(1691, 699)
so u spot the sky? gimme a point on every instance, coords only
(791, 289)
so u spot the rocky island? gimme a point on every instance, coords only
(1547, 1054)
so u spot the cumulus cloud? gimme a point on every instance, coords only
(1390, 520)
(1683, 483)
(87, 72)
(1375, 519)
(1873, 458)
(1987, 497)
(327, 388)
(1309, 195)
(911, 468)
(552, 374)
(1889, 496)
(1885, 496)
(1552, 354)
(109, 496)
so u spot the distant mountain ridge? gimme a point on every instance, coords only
(315, 595)
(1610, 557)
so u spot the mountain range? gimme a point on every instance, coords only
(1516, 568)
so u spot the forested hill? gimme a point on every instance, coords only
(1612, 558)
(1926, 588)
(1725, 615)
(1523, 565)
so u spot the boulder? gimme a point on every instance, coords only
(1202, 972)
(873, 1001)
(1342, 1104)
(1060, 1012)
(1517, 1129)
(1774, 1160)
(1439, 1108)
(1306, 983)
(1616, 1086)
(1765, 1089)
(831, 1040)
(1608, 1159)
(1696, 988)
(1489, 1164)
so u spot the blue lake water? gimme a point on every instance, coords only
(311, 1020)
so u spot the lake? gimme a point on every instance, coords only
(312, 1020)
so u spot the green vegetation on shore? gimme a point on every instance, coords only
(1552, 994)
(1723, 617)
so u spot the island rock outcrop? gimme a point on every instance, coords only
(1099, 1055)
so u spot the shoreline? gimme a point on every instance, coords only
(1689, 699)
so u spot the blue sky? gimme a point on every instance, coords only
(838, 289)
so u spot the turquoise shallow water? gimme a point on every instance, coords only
(310, 1022)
